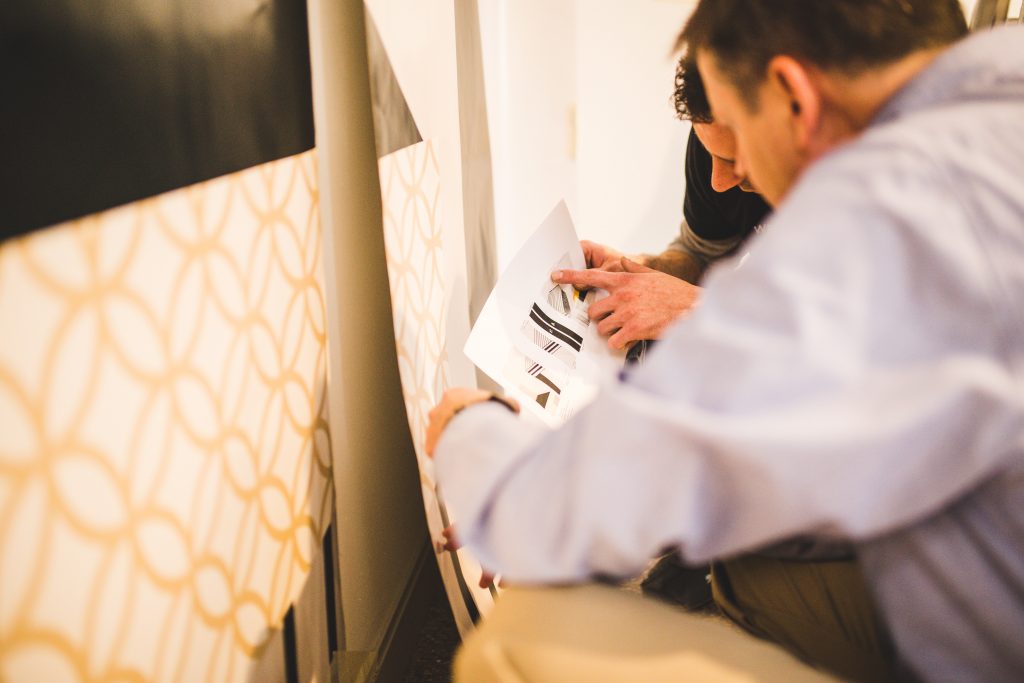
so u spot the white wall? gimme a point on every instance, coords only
(578, 101)
(579, 107)
(428, 78)
(530, 78)
(630, 144)
(969, 6)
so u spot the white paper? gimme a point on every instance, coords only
(534, 337)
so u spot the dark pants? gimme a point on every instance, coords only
(820, 611)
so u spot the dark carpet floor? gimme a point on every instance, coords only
(436, 645)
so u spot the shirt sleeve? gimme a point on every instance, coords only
(705, 250)
(843, 383)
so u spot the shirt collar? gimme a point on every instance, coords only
(987, 65)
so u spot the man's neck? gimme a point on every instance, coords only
(854, 101)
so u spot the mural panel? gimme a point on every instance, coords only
(413, 237)
(438, 207)
(165, 461)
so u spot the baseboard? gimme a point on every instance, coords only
(396, 651)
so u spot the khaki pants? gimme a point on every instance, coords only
(582, 634)
(819, 611)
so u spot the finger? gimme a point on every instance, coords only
(582, 279)
(590, 252)
(486, 579)
(609, 265)
(599, 256)
(603, 308)
(451, 541)
(622, 338)
(630, 266)
(611, 324)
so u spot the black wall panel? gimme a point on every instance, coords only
(103, 102)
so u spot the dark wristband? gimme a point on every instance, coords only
(493, 397)
(504, 401)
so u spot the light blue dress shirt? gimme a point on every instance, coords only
(861, 377)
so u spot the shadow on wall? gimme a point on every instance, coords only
(305, 645)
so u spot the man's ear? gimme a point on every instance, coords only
(796, 84)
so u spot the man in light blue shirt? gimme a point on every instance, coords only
(860, 378)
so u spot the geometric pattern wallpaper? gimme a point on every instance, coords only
(164, 453)
(411, 192)
(411, 198)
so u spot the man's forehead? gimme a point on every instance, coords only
(717, 139)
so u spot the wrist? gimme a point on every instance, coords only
(679, 264)
(509, 403)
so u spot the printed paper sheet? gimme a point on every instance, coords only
(534, 337)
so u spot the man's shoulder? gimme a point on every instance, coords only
(954, 148)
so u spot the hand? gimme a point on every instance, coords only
(601, 257)
(451, 544)
(641, 302)
(451, 403)
(451, 541)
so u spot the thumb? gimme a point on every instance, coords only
(630, 266)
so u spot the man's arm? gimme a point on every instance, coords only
(677, 263)
(689, 255)
(795, 401)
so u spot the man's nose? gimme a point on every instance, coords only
(723, 176)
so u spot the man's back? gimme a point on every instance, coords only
(952, 585)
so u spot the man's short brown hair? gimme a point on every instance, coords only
(849, 36)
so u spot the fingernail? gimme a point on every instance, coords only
(557, 275)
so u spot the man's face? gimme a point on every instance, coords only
(765, 151)
(721, 145)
